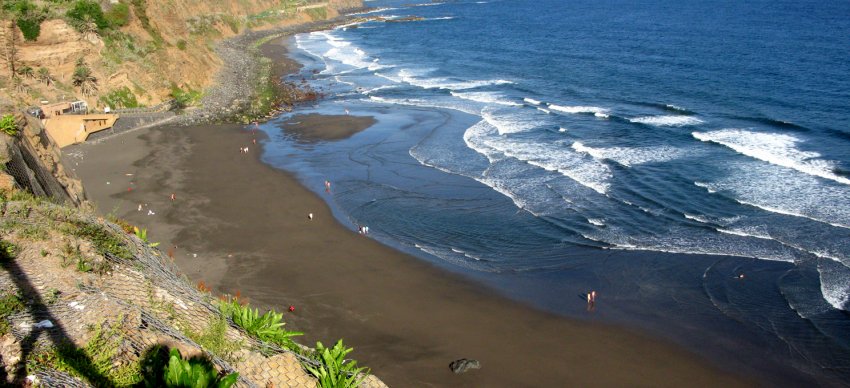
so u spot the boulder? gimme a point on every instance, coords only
(463, 365)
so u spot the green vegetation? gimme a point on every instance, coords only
(142, 234)
(140, 10)
(104, 242)
(184, 98)
(213, 339)
(123, 47)
(335, 371)
(95, 363)
(84, 12)
(195, 372)
(120, 98)
(181, 44)
(10, 303)
(33, 232)
(118, 15)
(267, 327)
(83, 78)
(51, 296)
(8, 251)
(8, 125)
(320, 13)
(27, 16)
(44, 76)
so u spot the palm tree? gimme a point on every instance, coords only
(44, 76)
(84, 79)
(26, 71)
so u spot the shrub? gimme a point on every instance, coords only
(181, 44)
(8, 125)
(184, 98)
(120, 98)
(267, 327)
(335, 371)
(194, 372)
(85, 11)
(118, 15)
(28, 17)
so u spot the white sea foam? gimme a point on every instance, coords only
(485, 139)
(631, 156)
(441, 18)
(774, 148)
(705, 186)
(531, 101)
(697, 218)
(667, 121)
(485, 97)
(509, 122)
(578, 109)
(601, 115)
(745, 233)
(676, 107)
(384, 9)
(429, 103)
(596, 221)
(562, 129)
(835, 284)
(425, 4)
(544, 110)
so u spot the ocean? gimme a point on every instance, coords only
(688, 160)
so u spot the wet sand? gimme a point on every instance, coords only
(313, 127)
(239, 224)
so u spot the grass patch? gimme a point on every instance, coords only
(8, 250)
(184, 98)
(10, 303)
(213, 339)
(95, 363)
(104, 242)
(34, 232)
(120, 98)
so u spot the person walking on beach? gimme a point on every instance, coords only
(327, 186)
(591, 300)
(172, 197)
(310, 216)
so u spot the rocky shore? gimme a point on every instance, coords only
(244, 74)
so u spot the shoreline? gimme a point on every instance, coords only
(405, 318)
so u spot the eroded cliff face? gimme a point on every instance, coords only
(166, 43)
(31, 161)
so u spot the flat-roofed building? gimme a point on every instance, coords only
(72, 129)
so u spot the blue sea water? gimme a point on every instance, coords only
(653, 151)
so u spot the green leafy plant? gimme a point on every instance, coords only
(267, 327)
(335, 371)
(8, 125)
(142, 234)
(195, 372)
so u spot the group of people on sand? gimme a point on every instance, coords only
(591, 300)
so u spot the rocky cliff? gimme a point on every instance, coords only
(164, 46)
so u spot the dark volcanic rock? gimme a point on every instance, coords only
(463, 365)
